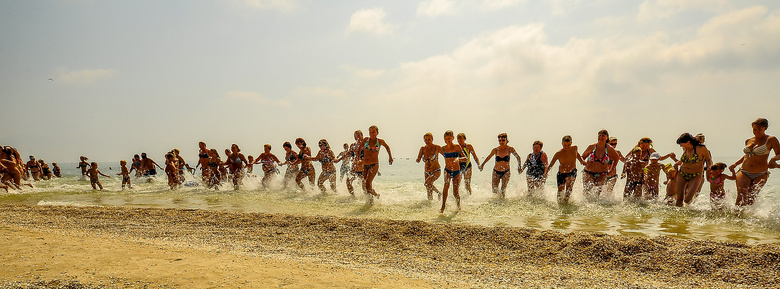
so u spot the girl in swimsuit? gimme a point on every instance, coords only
(612, 177)
(291, 160)
(453, 154)
(754, 172)
(598, 162)
(568, 157)
(356, 152)
(344, 157)
(501, 169)
(326, 157)
(370, 148)
(213, 171)
(429, 154)
(465, 166)
(307, 168)
(691, 168)
(83, 165)
(715, 177)
(534, 165)
(268, 161)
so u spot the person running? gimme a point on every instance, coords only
(370, 147)
(94, 174)
(429, 154)
(568, 157)
(291, 160)
(612, 177)
(148, 166)
(636, 160)
(307, 168)
(453, 154)
(236, 162)
(34, 168)
(268, 163)
(326, 157)
(125, 173)
(137, 165)
(599, 158)
(45, 170)
(84, 166)
(345, 158)
(56, 170)
(203, 162)
(691, 168)
(172, 170)
(501, 168)
(465, 166)
(716, 178)
(356, 173)
(534, 167)
(754, 171)
(213, 172)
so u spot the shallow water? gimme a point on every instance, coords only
(404, 197)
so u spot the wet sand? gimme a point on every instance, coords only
(96, 247)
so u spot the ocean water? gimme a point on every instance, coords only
(403, 196)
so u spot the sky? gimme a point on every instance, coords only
(149, 76)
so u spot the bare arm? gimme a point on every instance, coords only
(420, 154)
(473, 153)
(492, 153)
(547, 168)
(387, 148)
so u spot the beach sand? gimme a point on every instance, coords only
(119, 247)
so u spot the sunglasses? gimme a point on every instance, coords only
(613, 143)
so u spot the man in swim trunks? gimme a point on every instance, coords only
(567, 170)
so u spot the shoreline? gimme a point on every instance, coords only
(416, 253)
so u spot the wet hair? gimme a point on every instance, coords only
(541, 145)
(462, 135)
(604, 132)
(267, 146)
(287, 145)
(448, 133)
(324, 142)
(718, 166)
(566, 138)
(300, 141)
(687, 137)
(761, 122)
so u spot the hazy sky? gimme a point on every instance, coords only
(133, 76)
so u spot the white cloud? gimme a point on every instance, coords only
(662, 9)
(562, 7)
(500, 4)
(433, 8)
(319, 91)
(369, 21)
(85, 76)
(255, 98)
(285, 5)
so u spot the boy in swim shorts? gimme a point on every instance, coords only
(125, 173)
(93, 174)
(567, 170)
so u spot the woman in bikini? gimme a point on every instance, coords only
(307, 168)
(612, 177)
(501, 169)
(453, 155)
(429, 155)
(268, 161)
(370, 146)
(534, 167)
(599, 158)
(203, 162)
(213, 171)
(326, 157)
(236, 162)
(692, 163)
(465, 166)
(34, 168)
(754, 172)
(291, 160)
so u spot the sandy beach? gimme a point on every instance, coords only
(119, 247)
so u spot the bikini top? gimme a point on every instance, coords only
(502, 159)
(433, 158)
(325, 159)
(451, 155)
(690, 160)
(761, 150)
(374, 147)
(291, 156)
(468, 156)
(203, 155)
(593, 158)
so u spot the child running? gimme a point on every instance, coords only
(171, 170)
(268, 161)
(429, 155)
(567, 170)
(652, 173)
(716, 177)
(125, 173)
(93, 174)
(84, 166)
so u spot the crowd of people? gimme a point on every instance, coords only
(684, 178)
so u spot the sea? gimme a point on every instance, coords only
(403, 197)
